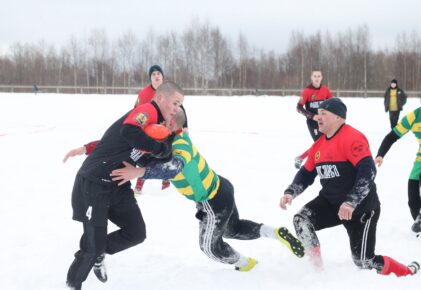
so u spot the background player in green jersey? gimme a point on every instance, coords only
(411, 122)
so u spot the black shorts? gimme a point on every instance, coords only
(92, 202)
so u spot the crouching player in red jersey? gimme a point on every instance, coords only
(213, 194)
(343, 161)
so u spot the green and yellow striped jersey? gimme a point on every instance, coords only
(411, 122)
(197, 181)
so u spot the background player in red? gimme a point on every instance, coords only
(156, 76)
(342, 159)
(311, 97)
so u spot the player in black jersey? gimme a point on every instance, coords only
(97, 199)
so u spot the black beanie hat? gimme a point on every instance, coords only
(394, 81)
(335, 106)
(153, 68)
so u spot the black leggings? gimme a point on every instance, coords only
(219, 219)
(414, 199)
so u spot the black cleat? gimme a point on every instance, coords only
(99, 269)
(414, 267)
(416, 227)
(74, 287)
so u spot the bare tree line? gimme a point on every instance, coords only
(202, 57)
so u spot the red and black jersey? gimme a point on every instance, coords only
(145, 96)
(311, 98)
(345, 167)
(125, 140)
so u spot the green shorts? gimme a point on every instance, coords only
(416, 171)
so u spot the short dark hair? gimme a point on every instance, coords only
(168, 88)
(180, 118)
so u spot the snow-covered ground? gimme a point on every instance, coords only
(250, 140)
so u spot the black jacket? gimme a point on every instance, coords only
(401, 99)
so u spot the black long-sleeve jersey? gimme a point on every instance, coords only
(126, 141)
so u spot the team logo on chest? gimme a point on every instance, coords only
(141, 118)
(317, 156)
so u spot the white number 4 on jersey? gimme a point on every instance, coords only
(89, 213)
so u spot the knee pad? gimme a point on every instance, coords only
(305, 231)
(302, 219)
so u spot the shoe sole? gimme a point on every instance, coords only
(291, 242)
(251, 264)
(98, 274)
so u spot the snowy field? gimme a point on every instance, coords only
(250, 140)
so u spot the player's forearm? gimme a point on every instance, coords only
(387, 143)
(301, 110)
(165, 170)
(364, 181)
(302, 180)
(90, 147)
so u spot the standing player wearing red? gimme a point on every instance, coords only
(156, 76)
(311, 97)
(342, 159)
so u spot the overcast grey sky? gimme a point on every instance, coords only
(267, 24)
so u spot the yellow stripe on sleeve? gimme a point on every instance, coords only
(201, 164)
(401, 129)
(180, 142)
(416, 127)
(178, 177)
(215, 191)
(183, 153)
(188, 190)
(411, 117)
(207, 181)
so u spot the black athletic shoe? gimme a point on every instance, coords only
(99, 269)
(416, 227)
(292, 243)
(414, 267)
(74, 287)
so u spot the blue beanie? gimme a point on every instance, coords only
(335, 106)
(153, 68)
